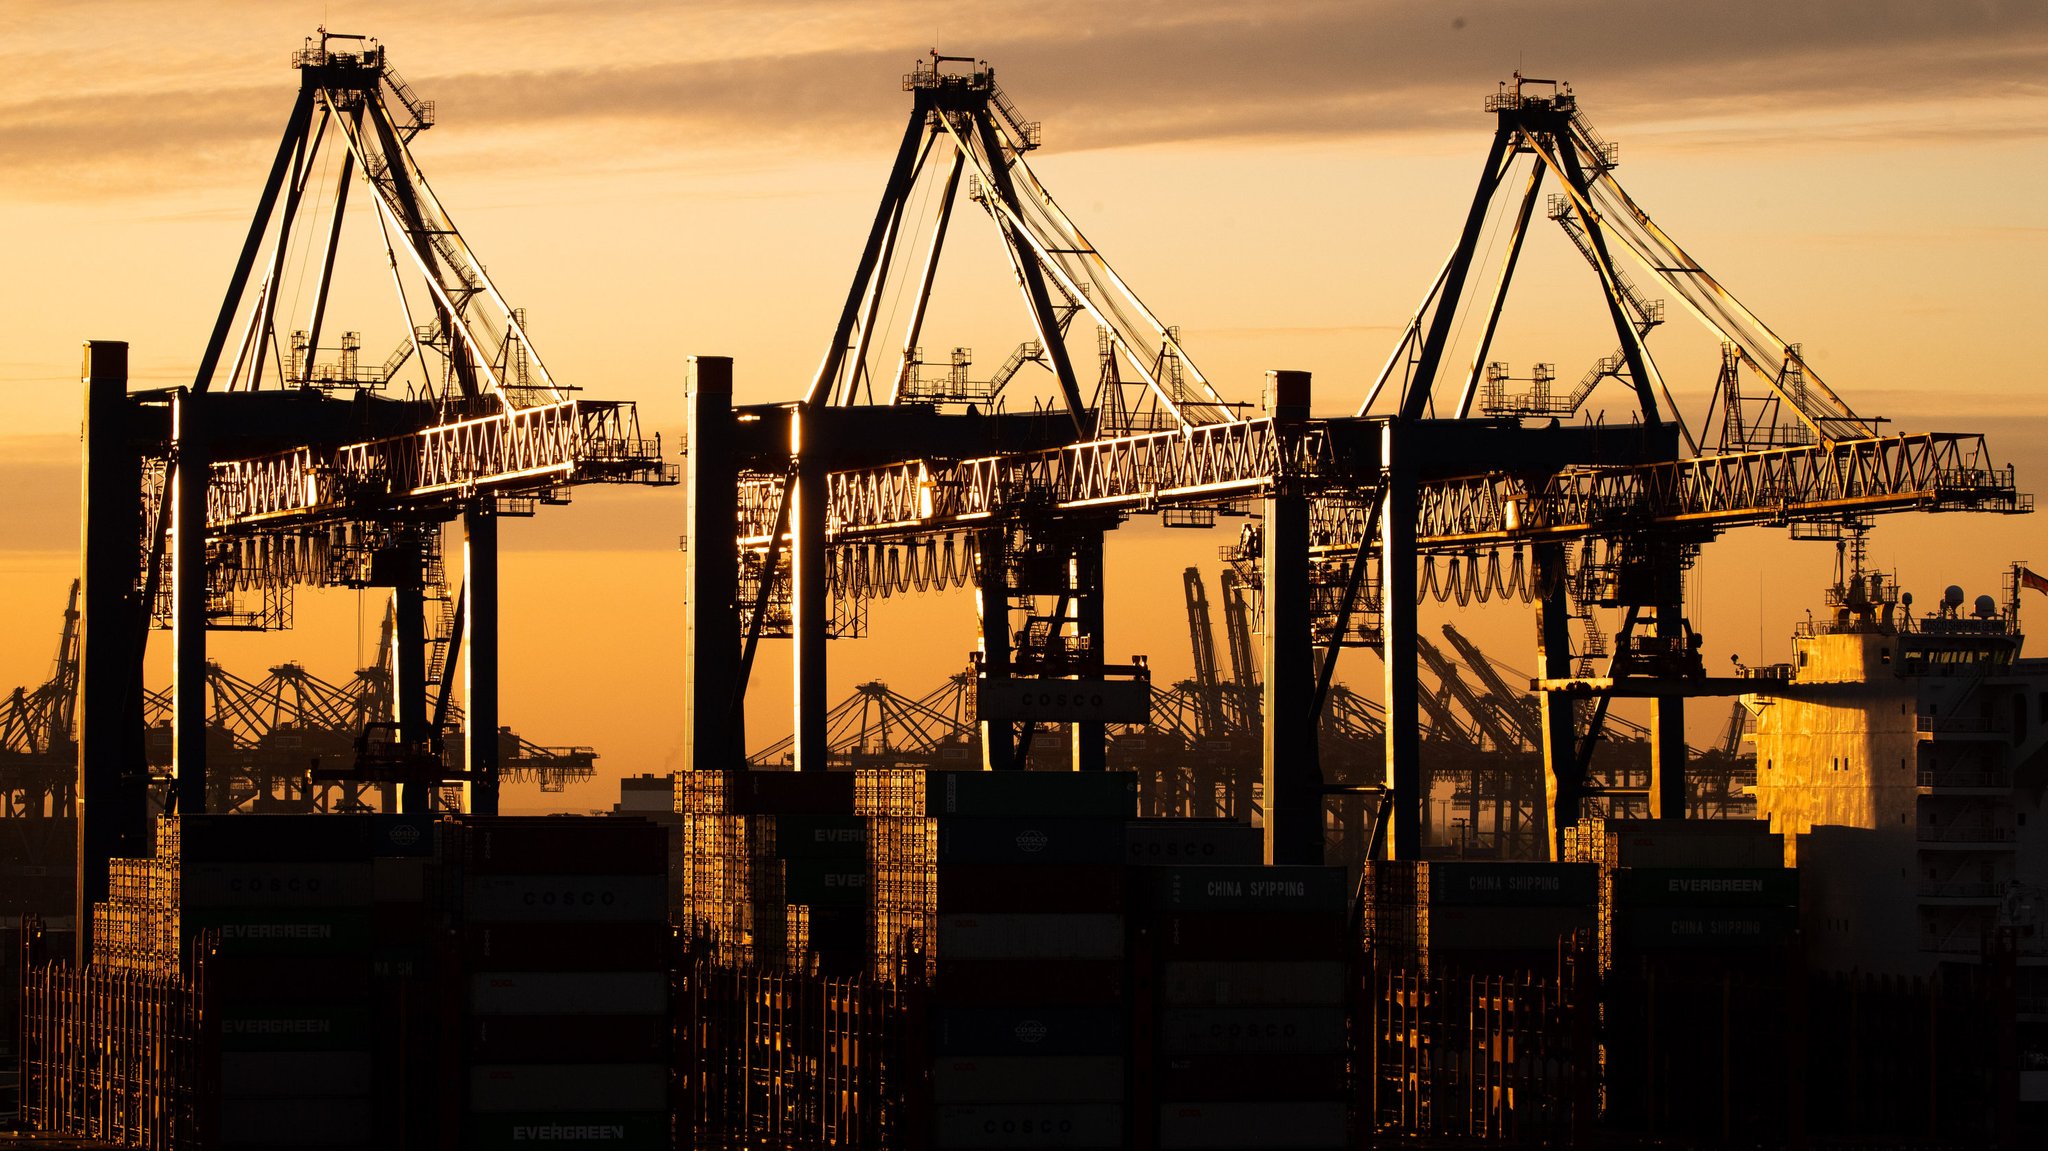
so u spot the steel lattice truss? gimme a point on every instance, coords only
(487, 421)
(1928, 472)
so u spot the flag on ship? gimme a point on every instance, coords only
(2037, 582)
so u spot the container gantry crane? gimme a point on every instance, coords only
(38, 734)
(851, 475)
(287, 462)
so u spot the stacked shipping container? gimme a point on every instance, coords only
(304, 1019)
(565, 947)
(1028, 1012)
(1241, 1005)
(1494, 918)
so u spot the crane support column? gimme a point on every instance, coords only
(188, 600)
(480, 657)
(1397, 625)
(1293, 778)
(992, 595)
(1562, 782)
(1667, 715)
(1084, 574)
(113, 782)
(409, 666)
(711, 623)
(809, 602)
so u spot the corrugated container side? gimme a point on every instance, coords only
(1251, 1030)
(1028, 1031)
(295, 1121)
(1252, 983)
(1026, 936)
(1032, 794)
(294, 1074)
(1272, 1077)
(1028, 1078)
(567, 1130)
(543, 1087)
(1253, 1125)
(969, 887)
(1029, 840)
(1238, 936)
(568, 993)
(1245, 890)
(1172, 842)
(1007, 1125)
(566, 898)
(629, 945)
(567, 1038)
(1027, 982)
(1461, 884)
(1704, 928)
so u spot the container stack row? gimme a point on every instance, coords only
(1694, 891)
(775, 869)
(1030, 1010)
(310, 1033)
(1477, 917)
(1242, 1005)
(565, 948)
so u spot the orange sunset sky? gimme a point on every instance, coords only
(656, 180)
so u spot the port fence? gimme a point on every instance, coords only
(113, 1055)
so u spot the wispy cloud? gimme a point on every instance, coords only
(611, 83)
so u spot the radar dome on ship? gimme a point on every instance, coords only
(1952, 596)
(1986, 607)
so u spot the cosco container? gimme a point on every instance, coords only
(1210, 842)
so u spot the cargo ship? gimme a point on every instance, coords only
(1903, 756)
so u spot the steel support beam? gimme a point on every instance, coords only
(409, 666)
(809, 600)
(1084, 602)
(1667, 712)
(711, 622)
(481, 753)
(188, 599)
(992, 600)
(1292, 776)
(1563, 783)
(1398, 483)
(113, 780)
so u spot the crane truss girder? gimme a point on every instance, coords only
(1932, 471)
(519, 451)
